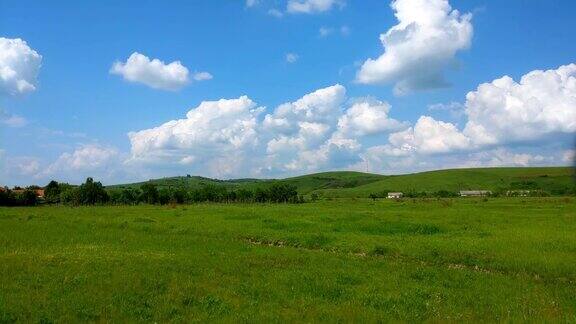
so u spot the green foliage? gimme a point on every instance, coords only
(52, 192)
(26, 198)
(89, 193)
(10, 198)
(149, 193)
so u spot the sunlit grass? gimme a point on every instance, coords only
(347, 260)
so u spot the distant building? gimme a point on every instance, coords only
(518, 193)
(39, 192)
(475, 193)
(395, 195)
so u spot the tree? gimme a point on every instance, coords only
(179, 195)
(149, 193)
(91, 192)
(7, 197)
(282, 193)
(27, 198)
(373, 196)
(52, 192)
(69, 196)
(164, 196)
(130, 196)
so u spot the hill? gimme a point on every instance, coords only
(357, 184)
(551, 179)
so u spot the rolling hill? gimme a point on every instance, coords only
(357, 184)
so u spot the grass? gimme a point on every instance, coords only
(338, 260)
(349, 184)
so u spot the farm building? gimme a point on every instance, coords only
(475, 193)
(395, 195)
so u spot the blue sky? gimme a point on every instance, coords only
(80, 110)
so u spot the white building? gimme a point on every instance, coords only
(395, 195)
(475, 193)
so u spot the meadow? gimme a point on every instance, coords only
(493, 259)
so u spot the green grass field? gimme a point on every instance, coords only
(503, 259)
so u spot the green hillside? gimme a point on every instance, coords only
(549, 179)
(361, 185)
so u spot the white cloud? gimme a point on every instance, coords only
(153, 73)
(11, 120)
(89, 157)
(292, 57)
(456, 110)
(430, 136)
(543, 102)
(225, 129)
(312, 6)
(321, 106)
(502, 112)
(19, 66)
(505, 157)
(368, 117)
(418, 49)
(102, 162)
(326, 130)
(23, 165)
(202, 76)
(298, 127)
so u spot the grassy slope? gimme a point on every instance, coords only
(305, 184)
(462, 179)
(331, 261)
(358, 184)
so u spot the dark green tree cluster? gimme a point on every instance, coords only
(151, 194)
(89, 193)
(18, 197)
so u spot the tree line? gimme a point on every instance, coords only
(94, 193)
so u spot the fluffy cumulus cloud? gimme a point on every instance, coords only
(542, 103)
(368, 117)
(537, 112)
(321, 106)
(430, 136)
(230, 137)
(326, 130)
(153, 73)
(312, 6)
(19, 66)
(89, 157)
(420, 47)
(102, 162)
(223, 129)
(302, 125)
